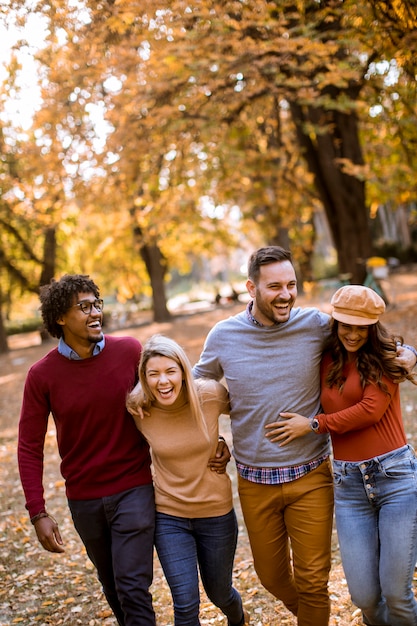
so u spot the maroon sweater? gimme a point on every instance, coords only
(101, 449)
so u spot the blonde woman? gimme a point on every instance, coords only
(196, 527)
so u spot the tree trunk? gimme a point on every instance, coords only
(4, 346)
(279, 235)
(49, 256)
(342, 195)
(48, 267)
(156, 267)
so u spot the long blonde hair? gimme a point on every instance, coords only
(159, 345)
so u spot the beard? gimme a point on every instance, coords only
(267, 310)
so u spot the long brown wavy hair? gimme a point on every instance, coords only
(375, 359)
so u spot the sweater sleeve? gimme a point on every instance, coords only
(32, 431)
(209, 365)
(367, 412)
(216, 392)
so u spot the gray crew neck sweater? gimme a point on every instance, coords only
(269, 369)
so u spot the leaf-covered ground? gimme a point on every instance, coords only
(41, 588)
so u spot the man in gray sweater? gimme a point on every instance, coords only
(270, 357)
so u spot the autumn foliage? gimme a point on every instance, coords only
(169, 132)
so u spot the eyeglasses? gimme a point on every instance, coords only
(86, 306)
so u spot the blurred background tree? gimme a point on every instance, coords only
(171, 133)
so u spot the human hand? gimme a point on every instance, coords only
(405, 358)
(136, 403)
(48, 534)
(286, 430)
(219, 462)
(138, 411)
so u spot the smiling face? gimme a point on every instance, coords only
(353, 338)
(164, 378)
(82, 331)
(274, 293)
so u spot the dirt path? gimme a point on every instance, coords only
(40, 588)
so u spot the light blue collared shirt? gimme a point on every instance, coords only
(69, 353)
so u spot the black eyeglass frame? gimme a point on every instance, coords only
(86, 306)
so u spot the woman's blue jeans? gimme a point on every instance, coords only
(376, 519)
(209, 543)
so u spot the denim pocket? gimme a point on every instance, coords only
(399, 469)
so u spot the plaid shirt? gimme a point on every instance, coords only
(277, 475)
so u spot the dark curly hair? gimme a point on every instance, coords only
(374, 360)
(58, 297)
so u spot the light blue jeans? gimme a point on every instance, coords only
(185, 545)
(376, 519)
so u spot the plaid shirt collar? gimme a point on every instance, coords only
(250, 316)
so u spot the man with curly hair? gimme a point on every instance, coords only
(83, 383)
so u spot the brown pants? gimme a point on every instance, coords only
(290, 528)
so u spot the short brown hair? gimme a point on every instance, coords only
(266, 256)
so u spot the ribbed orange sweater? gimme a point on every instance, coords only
(184, 485)
(363, 423)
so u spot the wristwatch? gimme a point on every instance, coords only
(314, 425)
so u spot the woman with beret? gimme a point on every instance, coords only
(375, 470)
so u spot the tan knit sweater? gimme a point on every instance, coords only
(184, 485)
